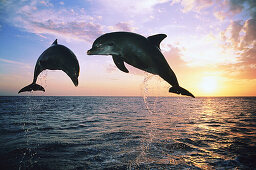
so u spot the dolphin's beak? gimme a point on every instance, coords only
(92, 51)
(75, 81)
(89, 52)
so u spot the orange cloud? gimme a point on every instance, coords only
(249, 29)
(242, 37)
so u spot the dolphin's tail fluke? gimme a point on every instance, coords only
(180, 90)
(32, 87)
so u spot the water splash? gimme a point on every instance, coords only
(29, 122)
(28, 118)
(150, 87)
(145, 90)
(43, 78)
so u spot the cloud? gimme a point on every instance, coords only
(231, 34)
(222, 8)
(249, 30)
(219, 15)
(46, 3)
(174, 56)
(231, 8)
(122, 26)
(240, 35)
(249, 56)
(111, 68)
(129, 11)
(42, 18)
(242, 38)
(237, 6)
(85, 31)
(131, 6)
(24, 65)
(240, 71)
(193, 5)
(45, 18)
(236, 27)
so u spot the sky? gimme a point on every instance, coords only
(210, 45)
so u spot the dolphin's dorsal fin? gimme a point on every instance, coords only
(55, 42)
(156, 39)
(120, 63)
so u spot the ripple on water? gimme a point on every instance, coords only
(120, 133)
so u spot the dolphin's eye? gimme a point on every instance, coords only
(98, 45)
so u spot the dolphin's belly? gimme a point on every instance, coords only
(137, 62)
(139, 57)
(152, 70)
(152, 61)
(50, 63)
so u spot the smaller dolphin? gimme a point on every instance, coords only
(140, 52)
(56, 57)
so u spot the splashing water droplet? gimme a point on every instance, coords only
(151, 86)
(145, 89)
(43, 78)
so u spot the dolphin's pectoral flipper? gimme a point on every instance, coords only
(156, 39)
(32, 87)
(180, 90)
(120, 63)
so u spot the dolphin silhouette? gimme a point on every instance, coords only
(56, 57)
(140, 52)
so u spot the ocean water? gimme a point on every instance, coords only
(127, 133)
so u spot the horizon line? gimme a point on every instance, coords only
(112, 96)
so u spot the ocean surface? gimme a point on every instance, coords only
(127, 133)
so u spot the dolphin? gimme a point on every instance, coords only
(140, 52)
(56, 57)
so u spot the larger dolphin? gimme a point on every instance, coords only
(56, 57)
(140, 52)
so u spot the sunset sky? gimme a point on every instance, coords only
(210, 45)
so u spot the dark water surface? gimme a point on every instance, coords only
(127, 133)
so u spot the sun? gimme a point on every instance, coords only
(209, 84)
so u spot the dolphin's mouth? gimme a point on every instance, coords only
(89, 52)
(99, 51)
(95, 51)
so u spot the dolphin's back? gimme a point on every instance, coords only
(56, 57)
(135, 49)
(143, 50)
